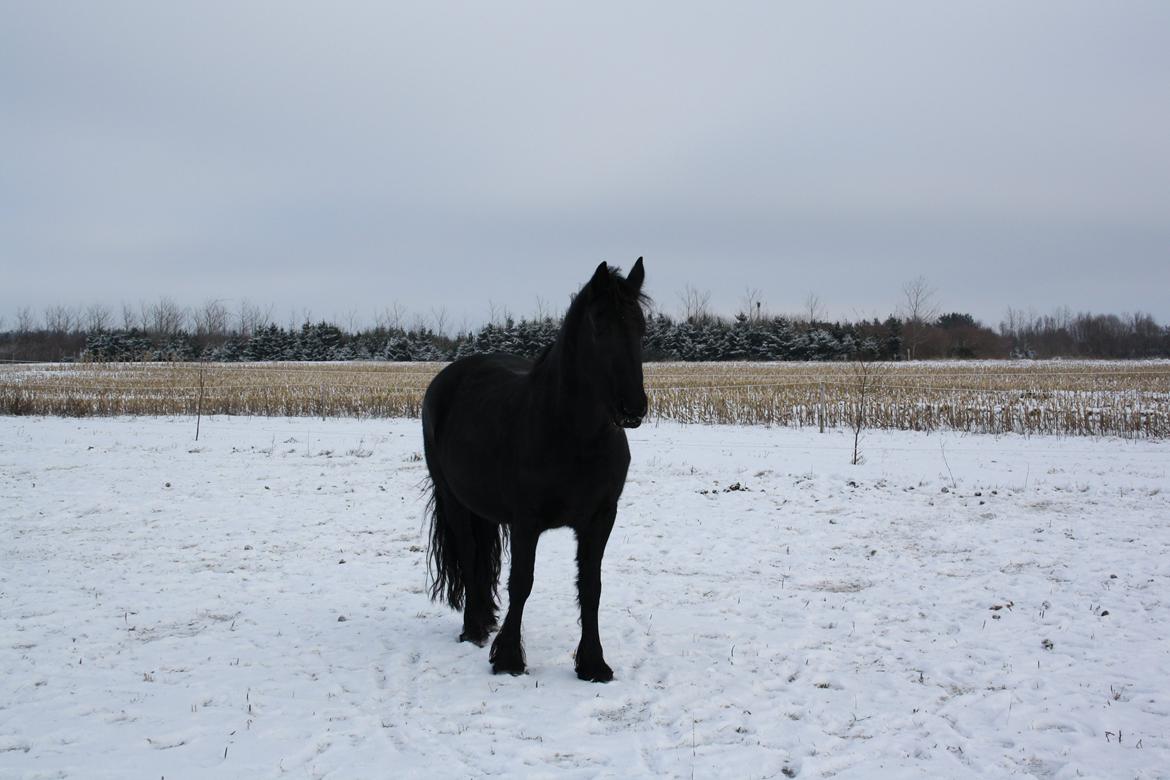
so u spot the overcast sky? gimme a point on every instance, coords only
(340, 157)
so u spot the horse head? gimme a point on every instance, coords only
(617, 324)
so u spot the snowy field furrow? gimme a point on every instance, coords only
(254, 605)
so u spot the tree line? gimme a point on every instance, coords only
(165, 332)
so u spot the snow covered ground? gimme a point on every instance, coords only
(253, 605)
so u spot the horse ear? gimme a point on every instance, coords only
(600, 278)
(637, 274)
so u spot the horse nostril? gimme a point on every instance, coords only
(633, 415)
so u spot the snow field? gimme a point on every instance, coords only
(956, 606)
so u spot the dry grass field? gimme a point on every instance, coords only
(1129, 399)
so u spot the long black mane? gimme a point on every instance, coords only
(625, 298)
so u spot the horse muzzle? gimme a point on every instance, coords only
(628, 419)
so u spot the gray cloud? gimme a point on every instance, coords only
(340, 158)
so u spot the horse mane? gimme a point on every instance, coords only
(624, 292)
(624, 297)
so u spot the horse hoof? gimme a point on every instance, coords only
(507, 659)
(601, 674)
(480, 640)
(514, 671)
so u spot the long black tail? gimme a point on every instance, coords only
(443, 556)
(486, 540)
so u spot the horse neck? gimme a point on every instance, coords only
(569, 387)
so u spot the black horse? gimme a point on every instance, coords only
(516, 447)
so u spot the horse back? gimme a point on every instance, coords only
(473, 386)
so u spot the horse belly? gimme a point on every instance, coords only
(476, 477)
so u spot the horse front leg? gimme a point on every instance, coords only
(507, 654)
(591, 540)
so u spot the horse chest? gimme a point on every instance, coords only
(574, 488)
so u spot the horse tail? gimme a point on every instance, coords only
(443, 556)
(464, 551)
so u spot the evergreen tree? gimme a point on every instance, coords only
(269, 343)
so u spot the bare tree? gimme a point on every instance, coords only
(130, 319)
(211, 319)
(97, 318)
(61, 319)
(245, 318)
(251, 318)
(497, 314)
(542, 310)
(352, 321)
(391, 317)
(696, 304)
(165, 317)
(920, 309)
(26, 321)
(814, 308)
(1012, 322)
(295, 320)
(752, 303)
(418, 324)
(864, 377)
(440, 317)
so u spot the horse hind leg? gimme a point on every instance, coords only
(481, 564)
(476, 557)
(464, 556)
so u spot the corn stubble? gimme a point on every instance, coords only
(1129, 399)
